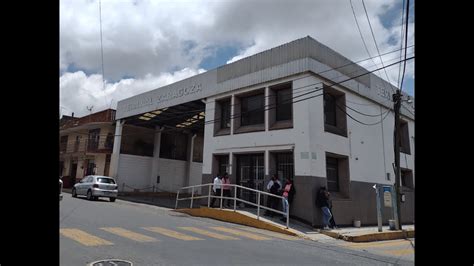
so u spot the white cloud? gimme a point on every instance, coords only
(79, 90)
(151, 40)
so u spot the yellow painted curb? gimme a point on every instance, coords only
(235, 217)
(378, 236)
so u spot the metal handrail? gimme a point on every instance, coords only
(221, 197)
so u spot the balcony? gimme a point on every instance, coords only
(101, 146)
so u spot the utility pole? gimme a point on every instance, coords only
(397, 100)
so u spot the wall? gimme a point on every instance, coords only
(369, 151)
(271, 140)
(134, 171)
(172, 174)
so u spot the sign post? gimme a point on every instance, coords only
(379, 207)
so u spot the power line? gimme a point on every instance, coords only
(376, 45)
(401, 45)
(329, 86)
(367, 124)
(361, 36)
(406, 42)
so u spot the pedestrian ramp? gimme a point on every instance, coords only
(109, 236)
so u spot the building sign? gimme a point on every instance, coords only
(382, 92)
(387, 196)
(163, 97)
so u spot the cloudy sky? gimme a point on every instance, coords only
(149, 44)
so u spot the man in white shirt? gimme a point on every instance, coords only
(216, 188)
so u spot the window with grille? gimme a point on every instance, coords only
(332, 169)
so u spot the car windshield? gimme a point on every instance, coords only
(105, 180)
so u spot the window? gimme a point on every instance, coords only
(105, 180)
(90, 167)
(109, 141)
(406, 177)
(284, 166)
(330, 110)
(174, 146)
(337, 174)
(63, 144)
(222, 164)
(225, 114)
(252, 110)
(335, 120)
(94, 136)
(332, 174)
(284, 104)
(404, 137)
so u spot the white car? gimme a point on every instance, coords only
(95, 186)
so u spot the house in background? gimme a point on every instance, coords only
(86, 145)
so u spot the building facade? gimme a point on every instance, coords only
(85, 145)
(299, 110)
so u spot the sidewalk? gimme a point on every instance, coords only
(350, 234)
(248, 216)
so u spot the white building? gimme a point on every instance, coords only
(290, 110)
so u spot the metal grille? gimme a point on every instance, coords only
(285, 166)
(250, 173)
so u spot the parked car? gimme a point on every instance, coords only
(96, 186)
(60, 189)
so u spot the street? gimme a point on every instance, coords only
(150, 235)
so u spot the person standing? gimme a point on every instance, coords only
(226, 188)
(216, 188)
(273, 187)
(322, 201)
(288, 194)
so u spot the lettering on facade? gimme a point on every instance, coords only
(384, 93)
(163, 97)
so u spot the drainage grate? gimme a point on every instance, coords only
(110, 262)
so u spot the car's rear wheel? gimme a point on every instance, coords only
(112, 199)
(74, 193)
(89, 195)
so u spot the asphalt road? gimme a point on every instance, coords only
(150, 235)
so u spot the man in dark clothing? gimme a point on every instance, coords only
(273, 187)
(322, 201)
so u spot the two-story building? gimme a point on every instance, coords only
(85, 145)
(299, 110)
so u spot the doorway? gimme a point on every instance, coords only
(251, 174)
(73, 172)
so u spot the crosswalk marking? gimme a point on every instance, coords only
(171, 233)
(377, 244)
(129, 234)
(209, 233)
(400, 252)
(271, 234)
(240, 233)
(83, 237)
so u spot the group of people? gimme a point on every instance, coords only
(222, 182)
(288, 191)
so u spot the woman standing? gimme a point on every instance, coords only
(288, 194)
